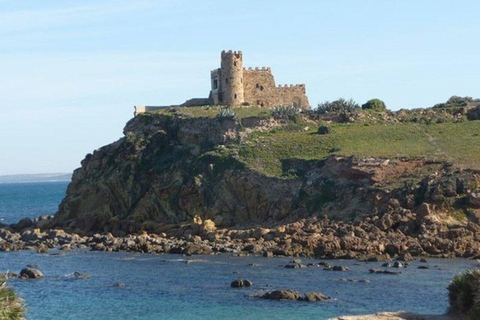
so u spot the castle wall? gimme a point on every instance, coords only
(260, 89)
(258, 85)
(291, 94)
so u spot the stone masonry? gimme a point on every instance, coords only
(234, 85)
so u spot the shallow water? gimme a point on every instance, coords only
(165, 287)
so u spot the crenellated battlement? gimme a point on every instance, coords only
(264, 69)
(237, 54)
(291, 86)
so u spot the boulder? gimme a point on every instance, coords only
(22, 224)
(30, 273)
(281, 295)
(474, 199)
(241, 283)
(376, 271)
(315, 296)
(422, 212)
(340, 268)
(32, 235)
(323, 130)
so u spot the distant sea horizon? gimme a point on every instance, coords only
(37, 177)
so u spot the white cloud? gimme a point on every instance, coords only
(33, 19)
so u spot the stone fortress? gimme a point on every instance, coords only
(233, 85)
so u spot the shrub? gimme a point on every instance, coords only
(464, 293)
(374, 104)
(226, 113)
(11, 306)
(456, 102)
(286, 113)
(340, 105)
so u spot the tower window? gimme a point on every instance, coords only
(235, 96)
(235, 63)
(257, 86)
(215, 84)
(261, 88)
(226, 80)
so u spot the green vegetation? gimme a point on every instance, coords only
(375, 104)
(226, 113)
(456, 102)
(286, 113)
(431, 134)
(340, 105)
(464, 294)
(213, 111)
(10, 306)
(457, 142)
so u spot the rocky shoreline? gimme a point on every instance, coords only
(370, 239)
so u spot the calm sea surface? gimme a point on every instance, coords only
(165, 287)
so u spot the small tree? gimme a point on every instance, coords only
(375, 104)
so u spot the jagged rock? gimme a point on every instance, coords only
(422, 212)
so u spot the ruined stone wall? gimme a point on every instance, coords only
(291, 94)
(260, 89)
(258, 85)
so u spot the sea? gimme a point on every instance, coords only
(164, 286)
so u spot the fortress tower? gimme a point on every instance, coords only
(233, 85)
(232, 78)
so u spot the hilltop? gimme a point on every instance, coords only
(339, 182)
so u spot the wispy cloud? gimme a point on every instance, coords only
(33, 19)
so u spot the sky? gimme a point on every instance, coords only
(71, 71)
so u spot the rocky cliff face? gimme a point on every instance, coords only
(168, 169)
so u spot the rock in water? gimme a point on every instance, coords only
(281, 295)
(241, 283)
(30, 273)
(315, 296)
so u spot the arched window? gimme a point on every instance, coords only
(235, 96)
(234, 63)
(261, 88)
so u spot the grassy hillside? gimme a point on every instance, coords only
(456, 142)
(431, 134)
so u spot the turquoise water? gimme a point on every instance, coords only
(165, 287)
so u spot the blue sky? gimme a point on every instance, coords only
(71, 71)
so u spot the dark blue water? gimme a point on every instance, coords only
(20, 200)
(165, 287)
